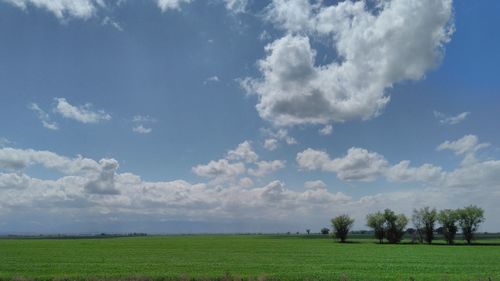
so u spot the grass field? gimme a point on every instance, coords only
(247, 256)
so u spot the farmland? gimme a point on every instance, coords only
(283, 257)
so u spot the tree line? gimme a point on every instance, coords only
(390, 226)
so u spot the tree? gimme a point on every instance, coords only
(416, 219)
(376, 221)
(394, 226)
(308, 231)
(469, 219)
(325, 231)
(424, 220)
(448, 219)
(341, 226)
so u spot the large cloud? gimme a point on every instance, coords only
(92, 190)
(376, 48)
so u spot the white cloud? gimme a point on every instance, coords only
(111, 22)
(139, 121)
(326, 130)
(314, 185)
(271, 144)
(221, 169)
(236, 6)
(96, 191)
(143, 119)
(375, 51)
(83, 113)
(213, 79)
(62, 9)
(43, 117)
(402, 172)
(274, 136)
(140, 129)
(466, 146)
(4, 142)
(358, 164)
(104, 183)
(451, 120)
(165, 5)
(266, 167)
(362, 165)
(244, 152)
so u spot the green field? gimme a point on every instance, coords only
(285, 257)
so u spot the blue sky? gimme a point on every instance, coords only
(231, 115)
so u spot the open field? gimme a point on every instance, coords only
(285, 257)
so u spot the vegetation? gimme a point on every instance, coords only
(448, 219)
(325, 231)
(277, 257)
(469, 219)
(341, 226)
(394, 226)
(424, 220)
(376, 221)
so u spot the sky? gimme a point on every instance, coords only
(189, 116)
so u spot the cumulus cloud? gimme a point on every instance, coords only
(357, 164)
(271, 144)
(62, 9)
(266, 167)
(326, 130)
(362, 165)
(165, 5)
(244, 152)
(43, 117)
(274, 137)
(220, 169)
(451, 120)
(84, 113)
(96, 190)
(213, 79)
(314, 185)
(140, 129)
(236, 6)
(139, 124)
(376, 49)
(466, 146)
(105, 181)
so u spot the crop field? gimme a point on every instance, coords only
(254, 257)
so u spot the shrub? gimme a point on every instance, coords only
(325, 231)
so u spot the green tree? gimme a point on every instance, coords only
(425, 220)
(325, 231)
(469, 219)
(416, 219)
(341, 226)
(448, 219)
(376, 221)
(394, 226)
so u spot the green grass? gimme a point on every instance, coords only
(273, 257)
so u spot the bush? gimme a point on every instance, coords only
(341, 226)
